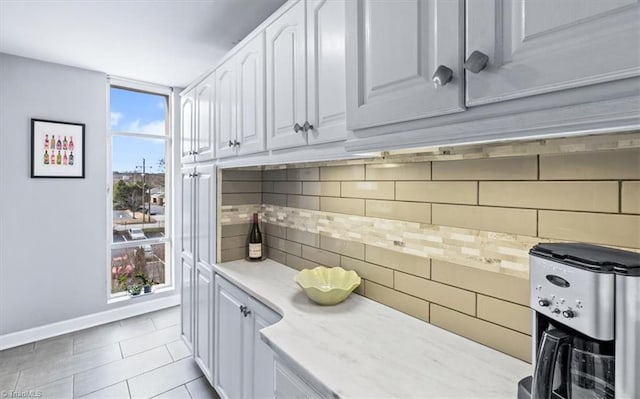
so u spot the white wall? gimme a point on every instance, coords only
(53, 232)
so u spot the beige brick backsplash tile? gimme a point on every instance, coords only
(234, 242)
(241, 199)
(631, 197)
(274, 230)
(287, 246)
(267, 186)
(398, 261)
(514, 168)
(241, 187)
(322, 188)
(303, 174)
(231, 230)
(451, 297)
(241, 175)
(495, 284)
(399, 171)
(298, 263)
(346, 172)
(619, 164)
(369, 189)
(287, 187)
(507, 220)
(516, 317)
(343, 247)
(405, 303)
(275, 199)
(350, 206)
(277, 255)
(399, 210)
(227, 255)
(369, 271)
(505, 340)
(618, 230)
(275, 174)
(447, 192)
(303, 202)
(322, 257)
(576, 196)
(303, 237)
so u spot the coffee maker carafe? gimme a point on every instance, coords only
(585, 324)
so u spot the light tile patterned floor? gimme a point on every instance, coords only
(140, 357)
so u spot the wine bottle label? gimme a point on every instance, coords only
(255, 251)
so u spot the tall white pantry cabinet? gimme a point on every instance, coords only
(197, 242)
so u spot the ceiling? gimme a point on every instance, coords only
(168, 42)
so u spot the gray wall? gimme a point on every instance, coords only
(53, 236)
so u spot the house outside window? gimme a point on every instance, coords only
(139, 146)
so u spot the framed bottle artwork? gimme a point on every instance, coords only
(57, 149)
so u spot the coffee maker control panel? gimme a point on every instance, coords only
(577, 298)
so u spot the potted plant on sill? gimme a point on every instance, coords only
(145, 282)
(127, 285)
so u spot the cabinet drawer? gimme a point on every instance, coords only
(288, 385)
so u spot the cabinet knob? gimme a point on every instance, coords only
(442, 76)
(236, 143)
(194, 152)
(230, 143)
(297, 127)
(476, 62)
(242, 308)
(307, 126)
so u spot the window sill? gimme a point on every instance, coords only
(123, 297)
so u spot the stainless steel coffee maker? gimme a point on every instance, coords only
(586, 320)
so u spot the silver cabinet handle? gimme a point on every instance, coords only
(242, 308)
(307, 126)
(297, 127)
(476, 62)
(230, 143)
(442, 76)
(236, 143)
(194, 152)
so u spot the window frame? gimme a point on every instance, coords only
(169, 139)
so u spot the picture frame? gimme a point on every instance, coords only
(57, 149)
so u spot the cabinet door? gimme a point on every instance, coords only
(393, 49)
(326, 87)
(260, 360)
(286, 79)
(229, 345)
(186, 302)
(205, 214)
(187, 244)
(203, 312)
(186, 131)
(225, 117)
(250, 101)
(288, 385)
(204, 146)
(541, 46)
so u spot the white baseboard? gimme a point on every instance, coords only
(82, 322)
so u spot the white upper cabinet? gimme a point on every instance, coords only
(250, 101)
(225, 110)
(204, 104)
(326, 83)
(240, 101)
(540, 46)
(286, 79)
(394, 48)
(186, 128)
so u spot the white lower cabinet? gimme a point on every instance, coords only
(203, 310)
(288, 385)
(243, 363)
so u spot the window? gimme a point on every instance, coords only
(139, 149)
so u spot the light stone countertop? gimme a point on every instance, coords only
(363, 349)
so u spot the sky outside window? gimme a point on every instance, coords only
(135, 112)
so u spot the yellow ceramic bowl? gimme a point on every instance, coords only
(327, 286)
